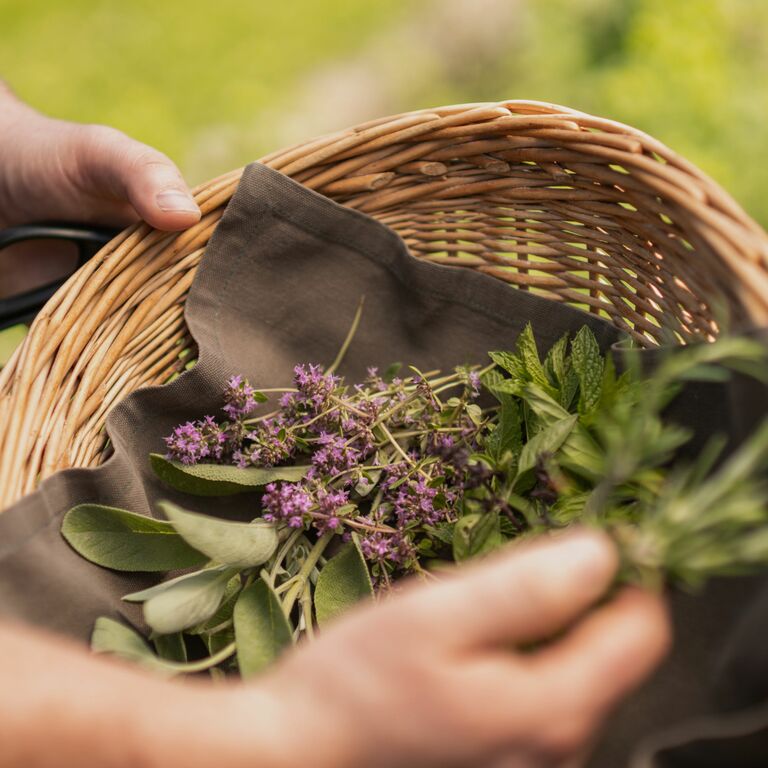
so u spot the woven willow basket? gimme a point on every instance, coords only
(576, 208)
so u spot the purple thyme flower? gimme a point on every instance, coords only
(334, 455)
(474, 383)
(240, 398)
(289, 502)
(393, 474)
(393, 548)
(196, 440)
(414, 502)
(314, 387)
(272, 443)
(327, 514)
(299, 504)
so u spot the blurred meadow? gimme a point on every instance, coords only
(216, 85)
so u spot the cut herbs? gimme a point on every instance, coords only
(360, 484)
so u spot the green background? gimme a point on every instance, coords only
(216, 84)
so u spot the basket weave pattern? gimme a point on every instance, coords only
(576, 208)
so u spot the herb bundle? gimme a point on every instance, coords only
(361, 484)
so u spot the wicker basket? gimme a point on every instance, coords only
(576, 208)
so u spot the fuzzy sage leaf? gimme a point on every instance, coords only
(262, 630)
(183, 602)
(343, 582)
(241, 545)
(124, 541)
(220, 479)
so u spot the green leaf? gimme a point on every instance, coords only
(528, 352)
(513, 386)
(507, 361)
(555, 361)
(223, 614)
(569, 386)
(242, 545)
(110, 636)
(568, 509)
(492, 378)
(588, 363)
(391, 372)
(343, 581)
(220, 479)
(170, 647)
(546, 408)
(215, 642)
(262, 631)
(124, 541)
(508, 434)
(476, 534)
(184, 601)
(547, 441)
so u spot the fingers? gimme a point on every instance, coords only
(607, 655)
(527, 592)
(122, 168)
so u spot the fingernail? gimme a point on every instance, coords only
(173, 200)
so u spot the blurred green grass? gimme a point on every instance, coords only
(217, 84)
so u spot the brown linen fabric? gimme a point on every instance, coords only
(279, 285)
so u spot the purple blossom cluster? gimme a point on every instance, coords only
(270, 443)
(302, 504)
(313, 392)
(240, 398)
(386, 457)
(196, 441)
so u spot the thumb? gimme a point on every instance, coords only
(129, 171)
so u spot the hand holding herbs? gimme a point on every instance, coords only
(406, 472)
(429, 679)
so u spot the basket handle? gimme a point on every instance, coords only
(22, 307)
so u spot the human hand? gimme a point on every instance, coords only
(432, 678)
(429, 678)
(56, 170)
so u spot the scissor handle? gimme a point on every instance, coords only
(22, 307)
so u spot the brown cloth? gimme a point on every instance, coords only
(279, 285)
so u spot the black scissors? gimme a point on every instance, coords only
(22, 307)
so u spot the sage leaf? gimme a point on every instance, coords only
(476, 534)
(184, 601)
(241, 545)
(262, 630)
(343, 581)
(219, 479)
(223, 614)
(170, 647)
(588, 363)
(110, 636)
(124, 541)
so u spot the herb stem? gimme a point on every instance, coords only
(303, 575)
(348, 340)
(207, 663)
